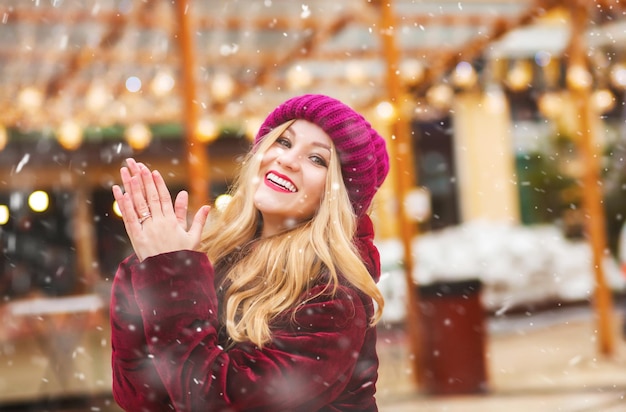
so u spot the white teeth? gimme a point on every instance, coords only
(281, 182)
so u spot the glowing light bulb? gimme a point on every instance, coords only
(4, 214)
(578, 77)
(70, 135)
(116, 209)
(4, 137)
(138, 136)
(222, 201)
(39, 201)
(385, 110)
(206, 130)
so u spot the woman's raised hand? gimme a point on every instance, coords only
(155, 225)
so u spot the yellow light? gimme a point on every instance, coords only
(4, 214)
(298, 77)
(138, 136)
(222, 201)
(495, 100)
(4, 137)
(98, 96)
(440, 96)
(162, 84)
(70, 135)
(355, 73)
(253, 124)
(30, 98)
(385, 111)
(618, 75)
(412, 72)
(603, 100)
(464, 75)
(116, 209)
(206, 130)
(550, 105)
(38, 201)
(578, 77)
(520, 76)
(222, 87)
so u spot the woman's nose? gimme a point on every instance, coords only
(289, 159)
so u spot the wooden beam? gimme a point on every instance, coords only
(197, 156)
(593, 198)
(78, 60)
(404, 176)
(475, 48)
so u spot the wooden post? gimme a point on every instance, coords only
(592, 193)
(84, 241)
(197, 155)
(404, 176)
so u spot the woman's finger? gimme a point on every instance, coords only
(133, 166)
(152, 194)
(127, 209)
(180, 208)
(132, 169)
(199, 220)
(165, 199)
(141, 206)
(125, 175)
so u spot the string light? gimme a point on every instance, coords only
(440, 96)
(603, 100)
(618, 76)
(206, 130)
(464, 76)
(355, 73)
(298, 77)
(4, 137)
(385, 111)
(98, 96)
(4, 214)
(222, 87)
(30, 99)
(520, 76)
(222, 201)
(116, 209)
(162, 84)
(70, 135)
(39, 201)
(138, 136)
(578, 77)
(412, 72)
(550, 105)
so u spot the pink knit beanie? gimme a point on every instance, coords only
(362, 151)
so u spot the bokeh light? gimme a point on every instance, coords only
(39, 201)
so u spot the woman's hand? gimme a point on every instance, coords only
(153, 224)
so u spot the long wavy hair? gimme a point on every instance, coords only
(267, 276)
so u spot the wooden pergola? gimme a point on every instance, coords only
(62, 53)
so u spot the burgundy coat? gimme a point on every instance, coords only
(170, 350)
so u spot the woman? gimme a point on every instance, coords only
(272, 308)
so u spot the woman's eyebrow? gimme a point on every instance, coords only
(322, 145)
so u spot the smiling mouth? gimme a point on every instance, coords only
(280, 182)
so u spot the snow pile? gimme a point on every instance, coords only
(517, 264)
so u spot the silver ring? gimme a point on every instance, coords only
(144, 217)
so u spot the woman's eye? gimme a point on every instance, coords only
(319, 160)
(283, 142)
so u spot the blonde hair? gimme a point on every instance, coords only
(267, 276)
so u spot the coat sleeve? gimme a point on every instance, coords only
(136, 383)
(306, 366)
